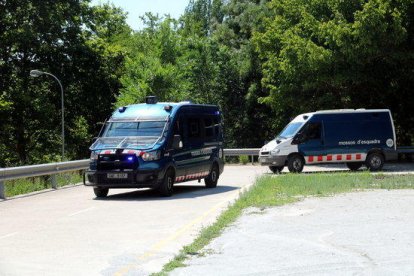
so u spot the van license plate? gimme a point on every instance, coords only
(117, 175)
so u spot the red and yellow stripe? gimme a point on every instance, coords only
(192, 176)
(335, 158)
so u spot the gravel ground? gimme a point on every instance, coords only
(362, 233)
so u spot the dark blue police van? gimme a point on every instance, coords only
(156, 145)
(355, 137)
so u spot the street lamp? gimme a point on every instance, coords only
(37, 73)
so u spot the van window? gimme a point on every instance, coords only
(209, 128)
(194, 130)
(127, 129)
(178, 127)
(217, 128)
(312, 131)
(290, 130)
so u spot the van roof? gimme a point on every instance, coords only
(359, 110)
(305, 116)
(149, 112)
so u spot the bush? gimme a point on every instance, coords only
(244, 159)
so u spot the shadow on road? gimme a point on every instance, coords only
(341, 168)
(181, 191)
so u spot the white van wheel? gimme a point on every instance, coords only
(296, 163)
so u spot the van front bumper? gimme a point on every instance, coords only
(123, 179)
(272, 160)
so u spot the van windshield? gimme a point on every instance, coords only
(128, 129)
(131, 135)
(290, 130)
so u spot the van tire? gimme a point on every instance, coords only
(354, 166)
(276, 169)
(100, 191)
(211, 180)
(167, 184)
(375, 161)
(295, 163)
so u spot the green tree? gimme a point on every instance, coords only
(54, 36)
(153, 70)
(249, 121)
(328, 54)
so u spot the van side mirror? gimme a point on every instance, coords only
(177, 143)
(298, 139)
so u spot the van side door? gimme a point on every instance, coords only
(311, 142)
(195, 141)
(188, 159)
(211, 145)
(180, 155)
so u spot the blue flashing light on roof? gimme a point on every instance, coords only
(122, 109)
(217, 113)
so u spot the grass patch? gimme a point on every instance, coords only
(275, 191)
(34, 184)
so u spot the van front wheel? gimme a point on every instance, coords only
(100, 192)
(166, 187)
(375, 161)
(295, 163)
(212, 179)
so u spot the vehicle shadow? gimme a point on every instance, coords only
(399, 167)
(181, 191)
(341, 168)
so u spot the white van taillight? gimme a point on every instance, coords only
(151, 155)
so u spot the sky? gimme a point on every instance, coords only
(137, 8)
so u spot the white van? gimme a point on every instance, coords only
(355, 137)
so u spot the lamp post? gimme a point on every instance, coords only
(37, 73)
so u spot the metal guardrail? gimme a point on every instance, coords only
(61, 167)
(409, 149)
(238, 152)
(39, 170)
(43, 169)
(54, 168)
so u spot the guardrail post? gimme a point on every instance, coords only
(53, 181)
(252, 159)
(2, 195)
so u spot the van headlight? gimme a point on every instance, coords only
(151, 155)
(275, 152)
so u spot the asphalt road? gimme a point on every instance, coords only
(364, 233)
(132, 232)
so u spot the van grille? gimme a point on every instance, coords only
(110, 162)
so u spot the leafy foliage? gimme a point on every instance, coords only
(328, 54)
(262, 62)
(55, 37)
